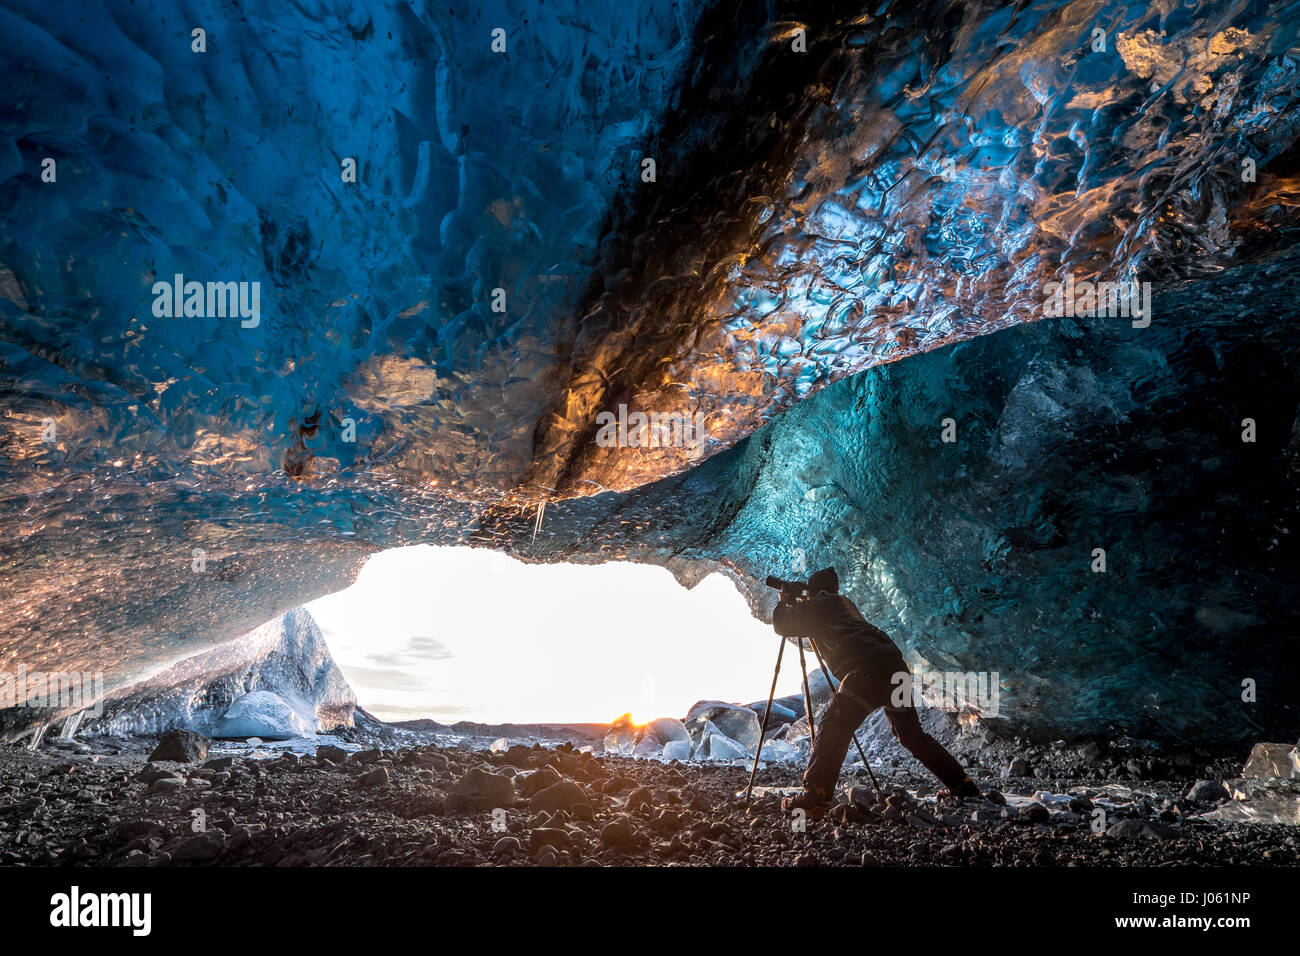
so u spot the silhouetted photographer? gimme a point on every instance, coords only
(865, 661)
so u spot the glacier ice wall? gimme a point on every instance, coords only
(978, 554)
(848, 207)
(286, 657)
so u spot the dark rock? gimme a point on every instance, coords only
(1035, 813)
(1208, 791)
(560, 796)
(481, 790)
(150, 773)
(618, 784)
(331, 754)
(507, 844)
(200, 848)
(548, 836)
(129, 830)
(166, 785)
(181, 746)
(378, 777)
(539, 780)
(546, 856)
(517, 756)
(1019, 767)
(700, 802)
(618, 833)
(432, 761)
(1128, 829)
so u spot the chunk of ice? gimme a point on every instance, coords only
(1273, 760)
(677, 750)
(263, 714)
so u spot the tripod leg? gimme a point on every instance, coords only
(827, 675)
(767, 715)
(807, 697)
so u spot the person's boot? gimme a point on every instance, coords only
(967, 788)
(813, 801)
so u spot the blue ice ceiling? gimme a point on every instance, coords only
(744, 211)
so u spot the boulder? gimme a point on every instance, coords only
(1035, 813)
(480, 789)
(331, 754)
(1019, 767)
(166, 785)
(560, 796)
(507, 844)
(378, 777)
(548, 836)
(618, 833)
(1141, 829)
(539, 780)
(201, 848)
(1207, 791)
(182, 746)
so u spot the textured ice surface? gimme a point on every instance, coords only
(804, 227)
(977, 555)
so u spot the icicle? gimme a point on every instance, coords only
(70, 725)
(37, 736)
(537, 522)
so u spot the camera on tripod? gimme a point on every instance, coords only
(824, 580)
(779, 584)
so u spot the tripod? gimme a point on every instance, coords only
(808, 709)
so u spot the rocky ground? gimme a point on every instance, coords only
(432, 804)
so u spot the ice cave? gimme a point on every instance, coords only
(752, 287)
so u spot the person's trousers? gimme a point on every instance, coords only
(860, 694)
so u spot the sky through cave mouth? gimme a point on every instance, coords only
(469, 634)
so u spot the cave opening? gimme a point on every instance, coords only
(468, 634)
